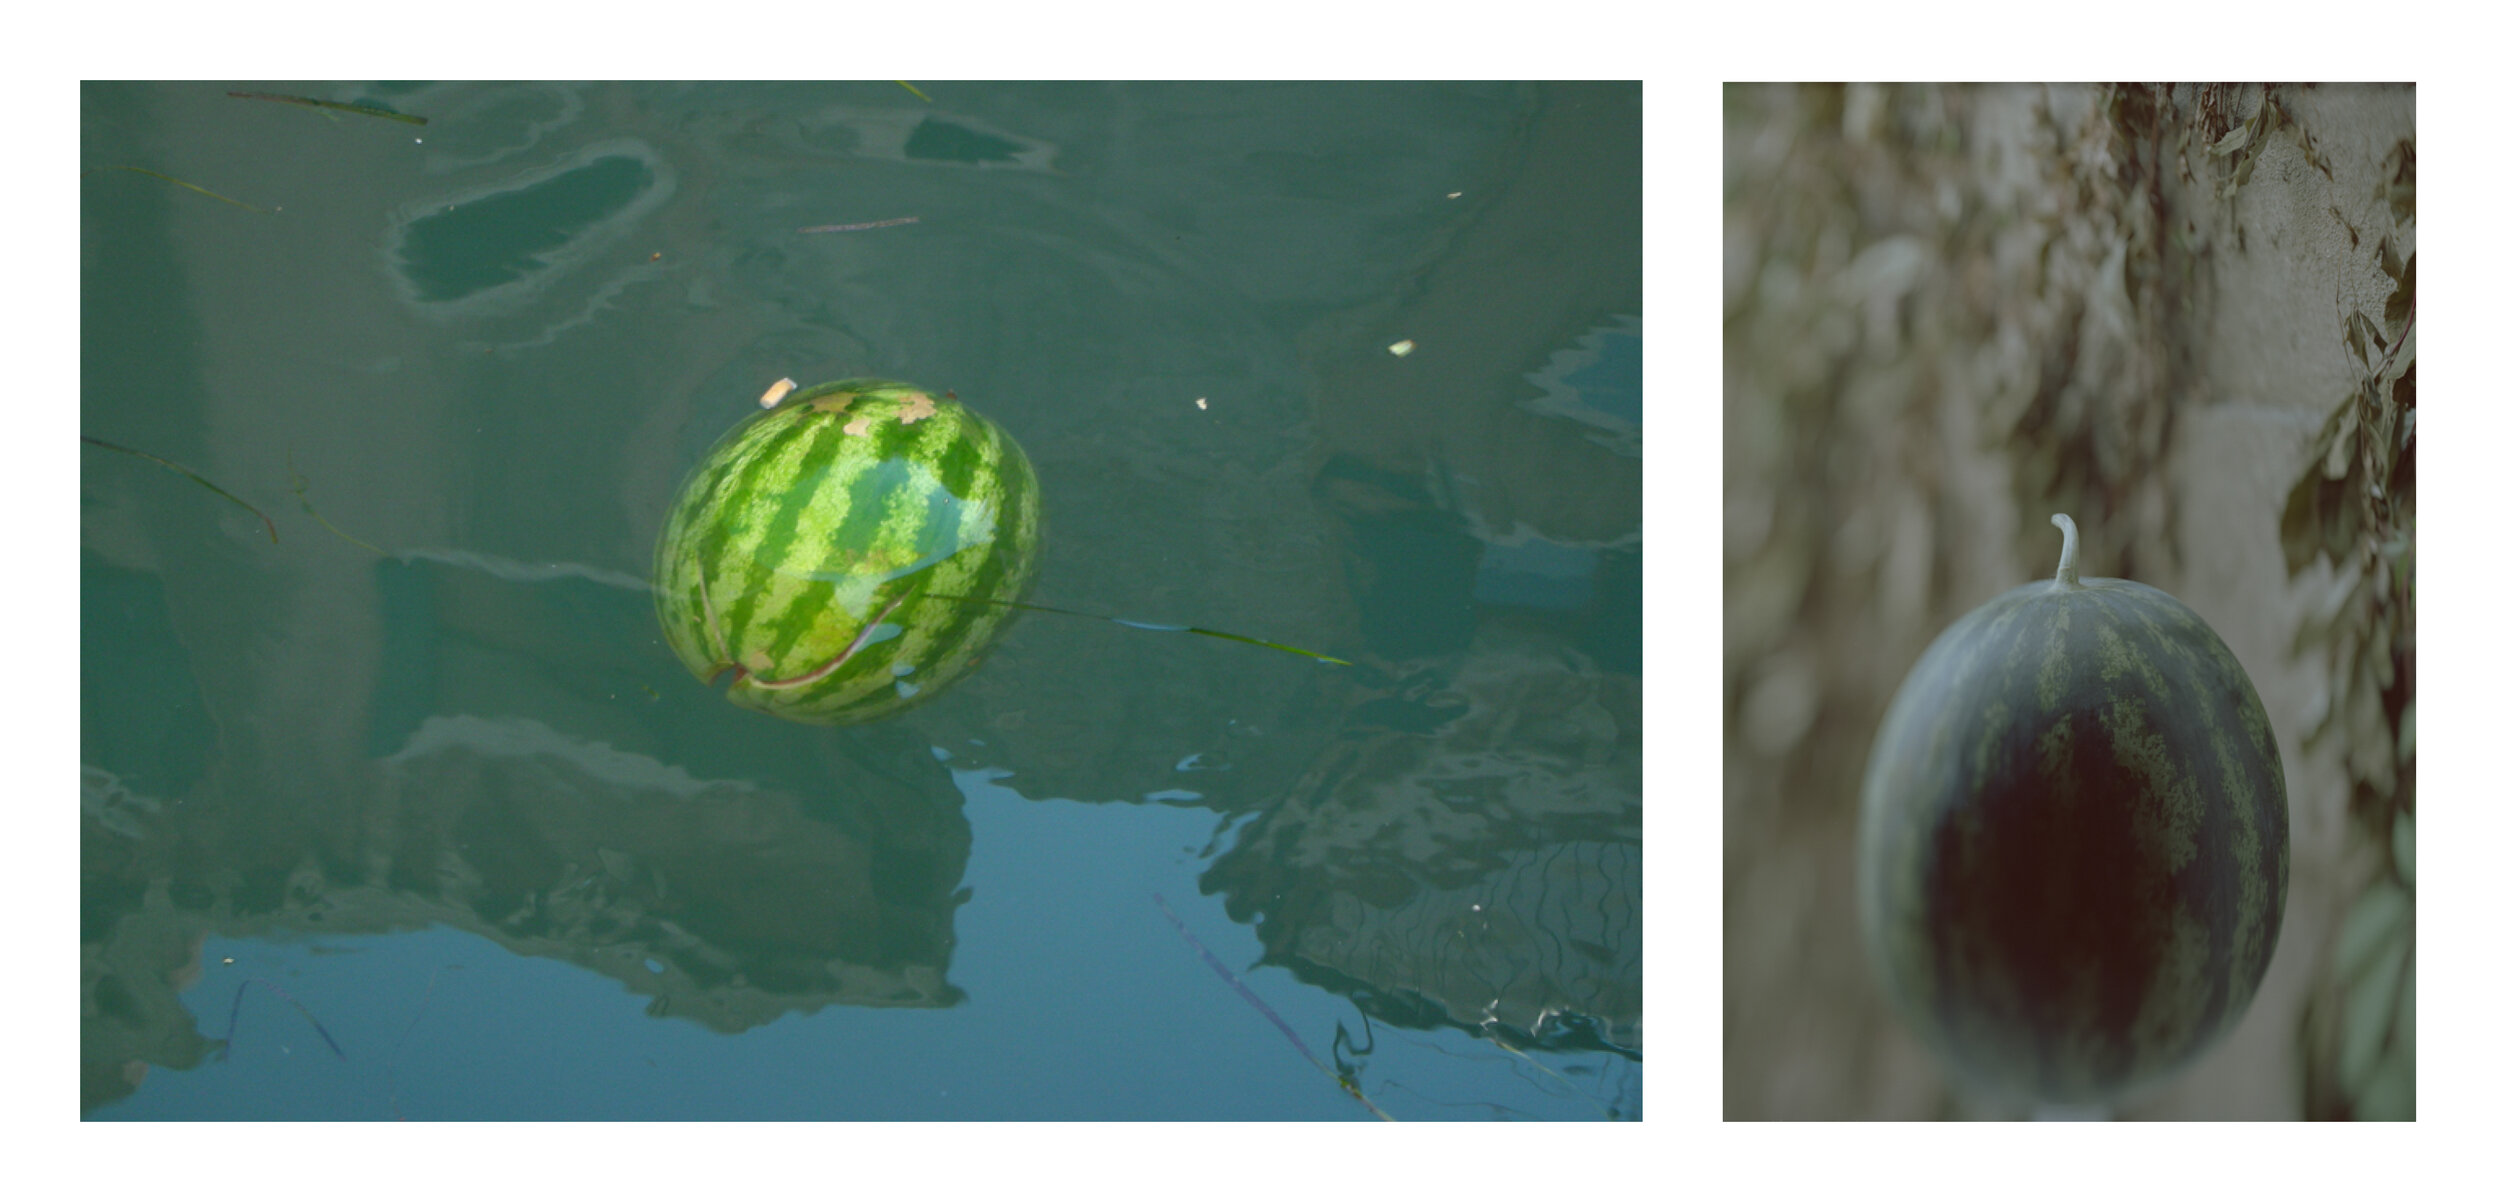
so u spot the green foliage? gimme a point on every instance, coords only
(2353, 505)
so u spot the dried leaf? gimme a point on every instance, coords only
(2395, 184)
(2355, 337)
(2317, 158)
(2387, 261)
(2400, 302)
(2343, 608)
(2369, 747)
(2299, 527)
(2334, 423)
(2339, 450)
(2339, 524)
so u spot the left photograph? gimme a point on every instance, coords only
(860, 600)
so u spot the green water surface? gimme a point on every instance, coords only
(418, 818)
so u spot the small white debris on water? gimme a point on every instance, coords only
(781, 388)
(1202, 402)
(1455, 195)
(1402, 347)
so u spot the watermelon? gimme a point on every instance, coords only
(2072, 851)
(848, 551)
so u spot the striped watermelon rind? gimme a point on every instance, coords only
(2074, 841)
(815, 553)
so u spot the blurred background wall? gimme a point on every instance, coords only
(2180, 313)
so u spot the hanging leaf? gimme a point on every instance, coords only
(2375, 918)
(2400, 302)
(2395, 184)
(2374, 983)
(2299, 527)
(2339, 523)
(2317, 158)
(2388, 1098)
(2235, 139)
(2356, 336)
(2341, 609)
(2339, 452)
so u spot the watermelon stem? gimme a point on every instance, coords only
(2066, 577)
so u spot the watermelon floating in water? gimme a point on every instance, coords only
(2072, 852)
(848, 551)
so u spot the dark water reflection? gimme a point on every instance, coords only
(491, 345)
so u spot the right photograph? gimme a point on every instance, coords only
(2067, 550)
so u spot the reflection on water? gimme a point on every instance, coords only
(1177, 299)
(1480, 867)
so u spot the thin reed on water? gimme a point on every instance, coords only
(1343, 1080)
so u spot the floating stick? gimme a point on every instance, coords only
(203, 481)
(237, 1012)
(362, 110)
(180, 182)
(858, 225)
(915, 91)
(300, 483)
(1344, 1081)
(1154, 626)
(393, 1067)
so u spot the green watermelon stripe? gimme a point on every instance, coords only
(745, 480)
(2107, 657)
(795, 478)
(803, 558)
(959, 466)
(857, 641)
(857, 528)
(969, 621)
